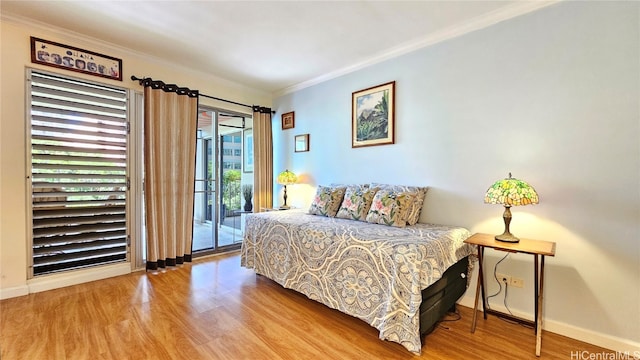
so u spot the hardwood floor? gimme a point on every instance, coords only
(214, 309)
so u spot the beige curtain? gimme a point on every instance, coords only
(263, 159)
(170, 125)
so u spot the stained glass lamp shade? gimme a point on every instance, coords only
(510, 192)
(286, 178)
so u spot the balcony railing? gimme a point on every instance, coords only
(231, 197)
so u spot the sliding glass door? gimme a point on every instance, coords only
(218, 206)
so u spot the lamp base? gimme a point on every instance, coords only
(284, 207)
(507, 237)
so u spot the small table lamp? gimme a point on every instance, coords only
(286, 178)
(510, 192)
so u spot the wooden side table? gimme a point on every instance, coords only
(539, 249)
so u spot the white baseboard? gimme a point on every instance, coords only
(56, 281)
(14, 292)
(589, 336)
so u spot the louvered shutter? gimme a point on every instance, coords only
(79, 143)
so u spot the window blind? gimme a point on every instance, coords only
(79, 146)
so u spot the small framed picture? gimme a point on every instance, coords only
(288, 120)
(301, 143)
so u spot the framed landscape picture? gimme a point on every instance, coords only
(372, 116)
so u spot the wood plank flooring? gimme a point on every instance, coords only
(214, 309)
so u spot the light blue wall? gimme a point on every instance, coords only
(550, 96)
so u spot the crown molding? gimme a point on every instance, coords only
(31, 23)
(477, 23)
(92, 41)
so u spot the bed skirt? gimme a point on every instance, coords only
(441, 296)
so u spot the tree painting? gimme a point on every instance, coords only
(372, 113)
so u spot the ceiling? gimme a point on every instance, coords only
(273, 46)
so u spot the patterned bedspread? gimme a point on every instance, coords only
(373, 272)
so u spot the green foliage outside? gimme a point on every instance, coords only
(231, 189)
(93, 175)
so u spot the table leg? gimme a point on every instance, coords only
(539, 309)
(479, 288)
(475, 305)
(475, 308)
(536, 289)
(481, 279)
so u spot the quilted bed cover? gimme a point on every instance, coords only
(369, 271)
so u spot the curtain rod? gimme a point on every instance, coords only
(253, 107)
(157, 84)
(229, 101)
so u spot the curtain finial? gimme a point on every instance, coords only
(261, 109)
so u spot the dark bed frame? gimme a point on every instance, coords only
(441, 296)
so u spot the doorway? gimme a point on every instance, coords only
(220, 176)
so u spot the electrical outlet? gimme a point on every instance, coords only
(504, 278)
(517, 282)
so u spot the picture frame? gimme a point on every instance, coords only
(373, 116)
(71, 58)
(301, 143)
(288, 120)
(247, 151)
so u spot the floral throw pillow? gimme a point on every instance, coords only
(390, 208)
(415, 208)
(327, 201)
(413, 214)
(356, 203)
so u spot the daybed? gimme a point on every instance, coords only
(399, 279)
